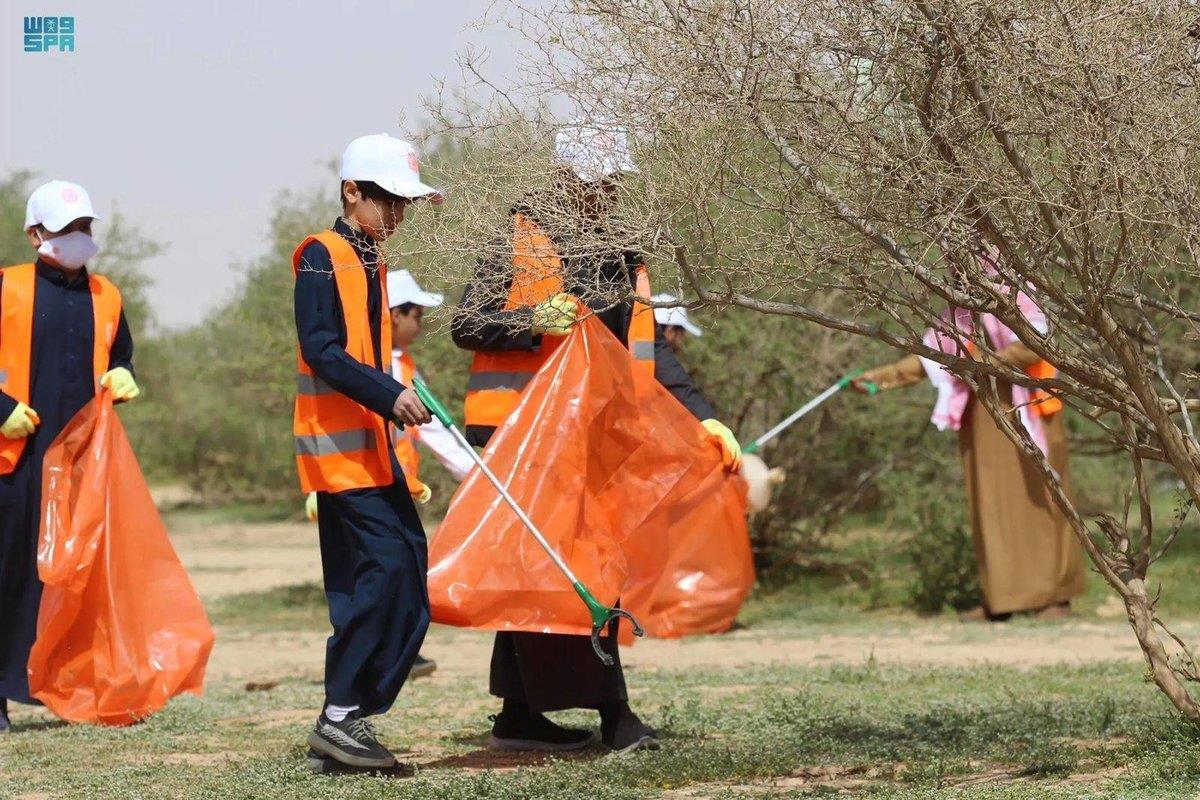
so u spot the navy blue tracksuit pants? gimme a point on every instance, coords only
(374, 559)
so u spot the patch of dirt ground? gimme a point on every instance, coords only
(232, 558)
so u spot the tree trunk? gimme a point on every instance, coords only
(1141, 617)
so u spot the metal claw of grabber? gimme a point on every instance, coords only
(601, 618)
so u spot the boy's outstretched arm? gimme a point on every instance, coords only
(675, 378)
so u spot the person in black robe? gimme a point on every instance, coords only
(537, 672)
(62, 383)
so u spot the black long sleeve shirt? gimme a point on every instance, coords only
(61, 379)
(321, 325)
(482, 323)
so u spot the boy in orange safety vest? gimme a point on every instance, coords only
(373, 549)
(408, 302)
(63, 336)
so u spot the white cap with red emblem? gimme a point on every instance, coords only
(594, 150)
(391, 163)
(57, 204)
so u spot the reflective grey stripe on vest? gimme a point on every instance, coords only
(333, 444)
(312, 385)
(643, 351)
(3, 376)
(482, 381)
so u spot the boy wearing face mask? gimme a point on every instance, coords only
(373, 551)
(63, 335)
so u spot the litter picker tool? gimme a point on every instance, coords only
(601, 614)
(845, 381)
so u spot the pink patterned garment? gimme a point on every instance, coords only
(953, 395)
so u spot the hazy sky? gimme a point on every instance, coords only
(190, 119)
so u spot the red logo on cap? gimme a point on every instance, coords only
(414, 163)
(69, 195)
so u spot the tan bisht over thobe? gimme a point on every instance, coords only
(1028, 556)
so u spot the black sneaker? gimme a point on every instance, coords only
(423, 667)
(5, 725)
(530, 731)
(352, 742)
(621, 730)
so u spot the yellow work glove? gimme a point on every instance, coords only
(731, 451)
(20, 423)
(556, 315)
(120, 382)
(310, 507)
(422, 496)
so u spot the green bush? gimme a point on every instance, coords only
(939, 546)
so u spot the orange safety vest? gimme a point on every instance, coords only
(16, 340)
(1045, 404)
(404, 438)
(498, 377)
(340, 444)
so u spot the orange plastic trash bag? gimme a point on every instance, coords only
(593, 462)
(120, 628)
(691, 566)
(569, 454)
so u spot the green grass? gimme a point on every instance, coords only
(893, 732)
(300, 607)
(236, 513)
(732, 732)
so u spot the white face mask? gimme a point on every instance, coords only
(70, 251)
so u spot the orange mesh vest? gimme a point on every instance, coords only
(404, 438)
(340, 444)
(1044, 403)
(16, 340)
(497, 378)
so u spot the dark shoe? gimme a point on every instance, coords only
(621, 730)
(981, 614)
(422, 667)
(5, 725)
(521, 729)
(352, 742)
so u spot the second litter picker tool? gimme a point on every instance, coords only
(601, 614)
(792, 418)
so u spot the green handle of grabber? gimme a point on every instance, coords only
(843, 383)
(848, 378)
(432, 403)
(598, 610)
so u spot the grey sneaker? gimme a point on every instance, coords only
(352, 742)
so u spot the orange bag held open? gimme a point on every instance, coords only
(121, 629)
(624, 483)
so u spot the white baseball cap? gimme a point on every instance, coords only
(390, 162)
(57, 204)
(674, 315)
(594, 150)
(403, 288)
